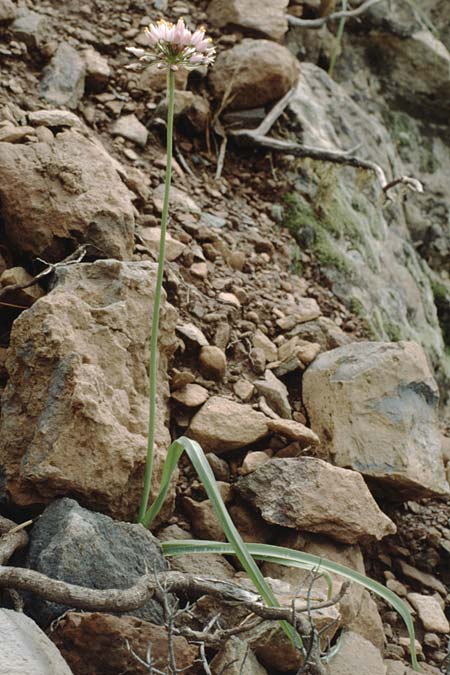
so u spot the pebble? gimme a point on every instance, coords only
(229, 299)
(244, 389)
(191, 395)
(294, 430)
(430, 612)
(213, 362)
(192, 333)
(199, 270)
(261, 341)
(219, 466)
(131, 128)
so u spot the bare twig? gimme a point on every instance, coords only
(12, 539)
(74, 257)
(321, 21)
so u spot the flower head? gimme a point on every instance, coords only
(173, 45)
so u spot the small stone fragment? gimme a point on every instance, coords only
(234, 656)
(425, 579)
(430, 612)
(244, 389)
(261, 341)
(9, 133)
(63, 79)
(152, 236)
(192, 333)
(266, 17)
(356, 656)
(212, 362)
(203, 519)
(7, 11)
(229, 299)
(295, 430)
(191, 396)
(131, 128)
(98, 71)
(306, 310)
(252, 461)
(199, 270)
(275, 393)
(54, 118)
(29, 27)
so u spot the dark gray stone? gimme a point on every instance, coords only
(90, 549)
(63, 79)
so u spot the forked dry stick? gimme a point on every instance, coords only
(335, 16)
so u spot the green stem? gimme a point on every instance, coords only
(339, 35)
(157, 305)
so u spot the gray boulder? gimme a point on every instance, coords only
(63, 79)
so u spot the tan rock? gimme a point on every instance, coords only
(98, 71)
(306, 310)
(244, 389)
(24, 296)
(267, 17)
(368, 623)
(152, 236)
(179, 199)
(229, 299)
(203, 519)
(7, 11)
(275, 393)
(222, 425)
(424, 578)
(9, 133)
(54, 118)
(430, 612)
(261, 341)
(356, 655)
(295, 430)
(152, 79)
(192, 395)
(53, 195)
(309, 494)
(212, 362)
(252, 461)
(259, 72)
(131, 128)
(97, 643)
(192, 333)
(199, 270)
(75, 409)
(374, 406)
(252, 528)
(236, 658)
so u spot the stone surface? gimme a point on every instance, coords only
(152, 236)
(368, 622)
(9, 133)
(356, 655)
(309, 494)
(55, 196)
(131, 128)
(374, 405)
(90, 549)
(75, 409)
(96, 643)
(295, 430)
(212, 362)
(7, 11)
(423, 578)
(98, 71)
(63, 79)
(267, 17)
(260, 72)
(204, 522)
(261, 341)
(236, 658)
(430, 612)
(193, 333)
(222, 425)
(192, 395)
(54, 118)
(276, 394)
(252, 461)
(26, 650)
(24, 296)
(30, 27)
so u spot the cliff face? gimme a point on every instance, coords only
(388, 261)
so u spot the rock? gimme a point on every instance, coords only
(54, 197)
(192, 333)
(152, 236)
(97, 643)
(374, 406)
(306, 493)
(154, 79)
(24, 296)
(423, 578)
(7, 11)
(295, 430)
(25, 647)
(98, 71)
(212, 362)
(259, 72)
(192, 395)
(273, 648)
(261, 341)
(217, 565)
(199, 270)
(63, 79)
(258, 360)
(111, 554)
(262, 16)
(131, 128)
(9, 133)
(54, 118)
(275, 393)
(30, 27)
(75, 409)
(252, 461)
(306, 310)
(430, 612)
(235, 658)
(397, 587)
(230, 299)
(356, 655)
(222, 425)
(303, 350)
(368, 622)
(220, 467)
(203, 519)
(244, 390)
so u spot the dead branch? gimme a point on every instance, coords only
(11, 539)
(321, 21)
(258, 138)
(74, 257)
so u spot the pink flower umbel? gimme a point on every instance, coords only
(173, 45)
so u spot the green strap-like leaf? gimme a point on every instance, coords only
(285, 556)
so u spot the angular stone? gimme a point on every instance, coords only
(276, 394)
(252, 461)
(308, 494)
(356, 655)
(63, 79)
(295, 430)
(192, 395)
(131, 128)
(259, 72)
(203, 519)
(7, 11)
(212, 362)
(30, 27)
(152, 236)
(244, 389)
(9, 133)
(179, 199)
(368, 623)
(430, 612)
(267, 17)
(55, 196)
(192, 333)
(75, 409)
(24, 296)
(235, 658)
(261, 341)
(110, 554)
(26, 649)
(98, 71)
(374, 406)
(97, 643)
(54, 118)
(423, 578)
(306, 310)
(222, 425)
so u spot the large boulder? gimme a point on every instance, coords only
(26, 648)
(266, 17)
(56, 195)
(309, 494)
(89, 549)
(253, 73)
(74, 413)
(374, 406)
(63, 79)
